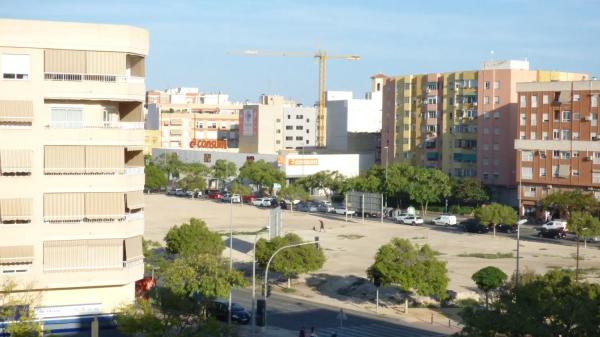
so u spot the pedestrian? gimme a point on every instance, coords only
(313, 333)
(302, 332)
(322, 229)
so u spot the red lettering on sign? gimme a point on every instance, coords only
(208, 144)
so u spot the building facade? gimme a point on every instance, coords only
(71, 163)
(275, 125)
(558, 139)
(354, 125)
(187, 118)
(460, 122)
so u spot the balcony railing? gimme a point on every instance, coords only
(134, 170)
(85, 218)
(134, 216)
(92, 78)
(86, 170)
(96, 125)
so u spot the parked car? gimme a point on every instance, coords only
(559, 233)
(506, 228)
(445, 220)
(198, 194)
(412, 220)
(270, 202)
(171, 191)
(232, 198)
(473, 226)
(188, 194)
(342, 210)
(258, 202)
(248, 199)
(555, 224)
(400, 216)
(180, 193)
(219, 309)
(215, 195)
(306, 207)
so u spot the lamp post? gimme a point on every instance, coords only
(254, 279)
(519, 223)
(269, 263)
(386, 167)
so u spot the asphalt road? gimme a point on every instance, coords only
(292, 314)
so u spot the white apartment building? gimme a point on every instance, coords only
(354, 125)
(275, 125)
(71, 163)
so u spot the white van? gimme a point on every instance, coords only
(445, 220)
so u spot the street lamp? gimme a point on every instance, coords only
(254, 279)
(386, 167)
(519, 223)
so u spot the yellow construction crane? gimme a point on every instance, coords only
(322, 56)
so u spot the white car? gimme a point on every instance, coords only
(412, 219)
(344, 211)
(555, 224)
(445, 220)
(398, 218)
(258, 202)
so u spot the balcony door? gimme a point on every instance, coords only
(111, 116)
(66, 117)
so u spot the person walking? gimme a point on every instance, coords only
(302, 332)
(322, 229)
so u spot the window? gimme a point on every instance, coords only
(533, 135)
(545, 117)
(308, 120)
(496, 84)
(527, 156)
(207, 157)
(199, 124)
(529, 191)
(496, 99)
(15, 67)
(555, 154)
(486, 162)
(526, 173)
(471, 114)
(307, 141)
(542, 154)
(406, 127)
(289, 138)
(212, 125)
(278, 131)
(554, 171)
(289, 116)
(497, 131)
(486, 84)
(594, 101)
(278, 120)
(307, 131)
(566, 116)
(545, 99)
(278, 142)
(406, 86)
(575, 173)
(565, 155)
(576, 116)
(542, 171)
(432, 114)
(406, 140)
(596, 157)
(545, 135)
(596, 177)
(432, 86)
(496, 147)
(486, 147)
(299, 127)
(566, 134)
(66, 117)
(523, 119)
(486, 115)
(533, 120)
(224, 125)
(496, 114)
(299, 138)
(432, 100)
(534, 101)
(289, 127)
(523, 101)
(486, 99)
(406, 114)
(575, 154)
(486, 131)
(556, 134)
(431, 128)
(485, 176)
(557, 116)
(576, 98)
(522, 135)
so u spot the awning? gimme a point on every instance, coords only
(64, 158)
(104, 205)
(134, 159)
(15, 209)
(104, 158)
(16, 254)
(564, 171)
(16, 111)
(105, 63)
(565, 97)
(64, 61)
(135, 200)
(63, 206)
(15, 160)
(175, 132)
(133, 248)
(72, 255)
(135, 147)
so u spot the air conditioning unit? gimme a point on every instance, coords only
(595, 138)
(587, 118)
(475, 103)
(587, 158)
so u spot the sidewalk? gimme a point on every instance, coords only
(246, 331)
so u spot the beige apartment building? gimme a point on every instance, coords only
(71, 163)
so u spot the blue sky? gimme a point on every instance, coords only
(190, 41)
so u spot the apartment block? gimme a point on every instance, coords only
(276, 124)
(71, 163)
(558, 139)
(188, 118)
(460, 122)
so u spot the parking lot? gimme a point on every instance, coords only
(351, 246)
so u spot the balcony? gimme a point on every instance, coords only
(96, 125)
(86, 86)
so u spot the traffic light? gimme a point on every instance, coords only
(317, 242)
(261, 311)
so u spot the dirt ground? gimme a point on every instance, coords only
(351, 246)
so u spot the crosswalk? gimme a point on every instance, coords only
(376, 330)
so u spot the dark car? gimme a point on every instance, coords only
(219, 308)
(473, 226)
(552, 233)
(505, 228)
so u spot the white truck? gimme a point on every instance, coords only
(555, 224)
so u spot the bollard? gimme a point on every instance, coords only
(449, 324)
(431, 318)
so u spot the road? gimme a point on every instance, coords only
(291, 313)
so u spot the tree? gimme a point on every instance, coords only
(470, 191)
(224, 169)
(17, 306)
(398, 181)
(428, 186)
(193, 238)
(410, 268)
(155, 178)
(239, 188)
(488, 279)
(292, 261)
(192, 183)
(262, 174)
(549, 305)
(170, 164)
(330, 181)
(584, 225)
(495, 214)
(568, 201)
(294, 192)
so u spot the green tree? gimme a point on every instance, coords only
(192, 183)
(18, 304)
(196, 169)
(193, 238)
(155, 178)
(294, 192)
(292, 261)
(495, 214)
(489, 279)
(398, 180)
(584, 225)
(410, 268)
(469, 191)
(239, 188)
(568, 201)
(262, 174)
(547, 306)
(170, 164)
(428, 186)
(330, 181)
(223, 170)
